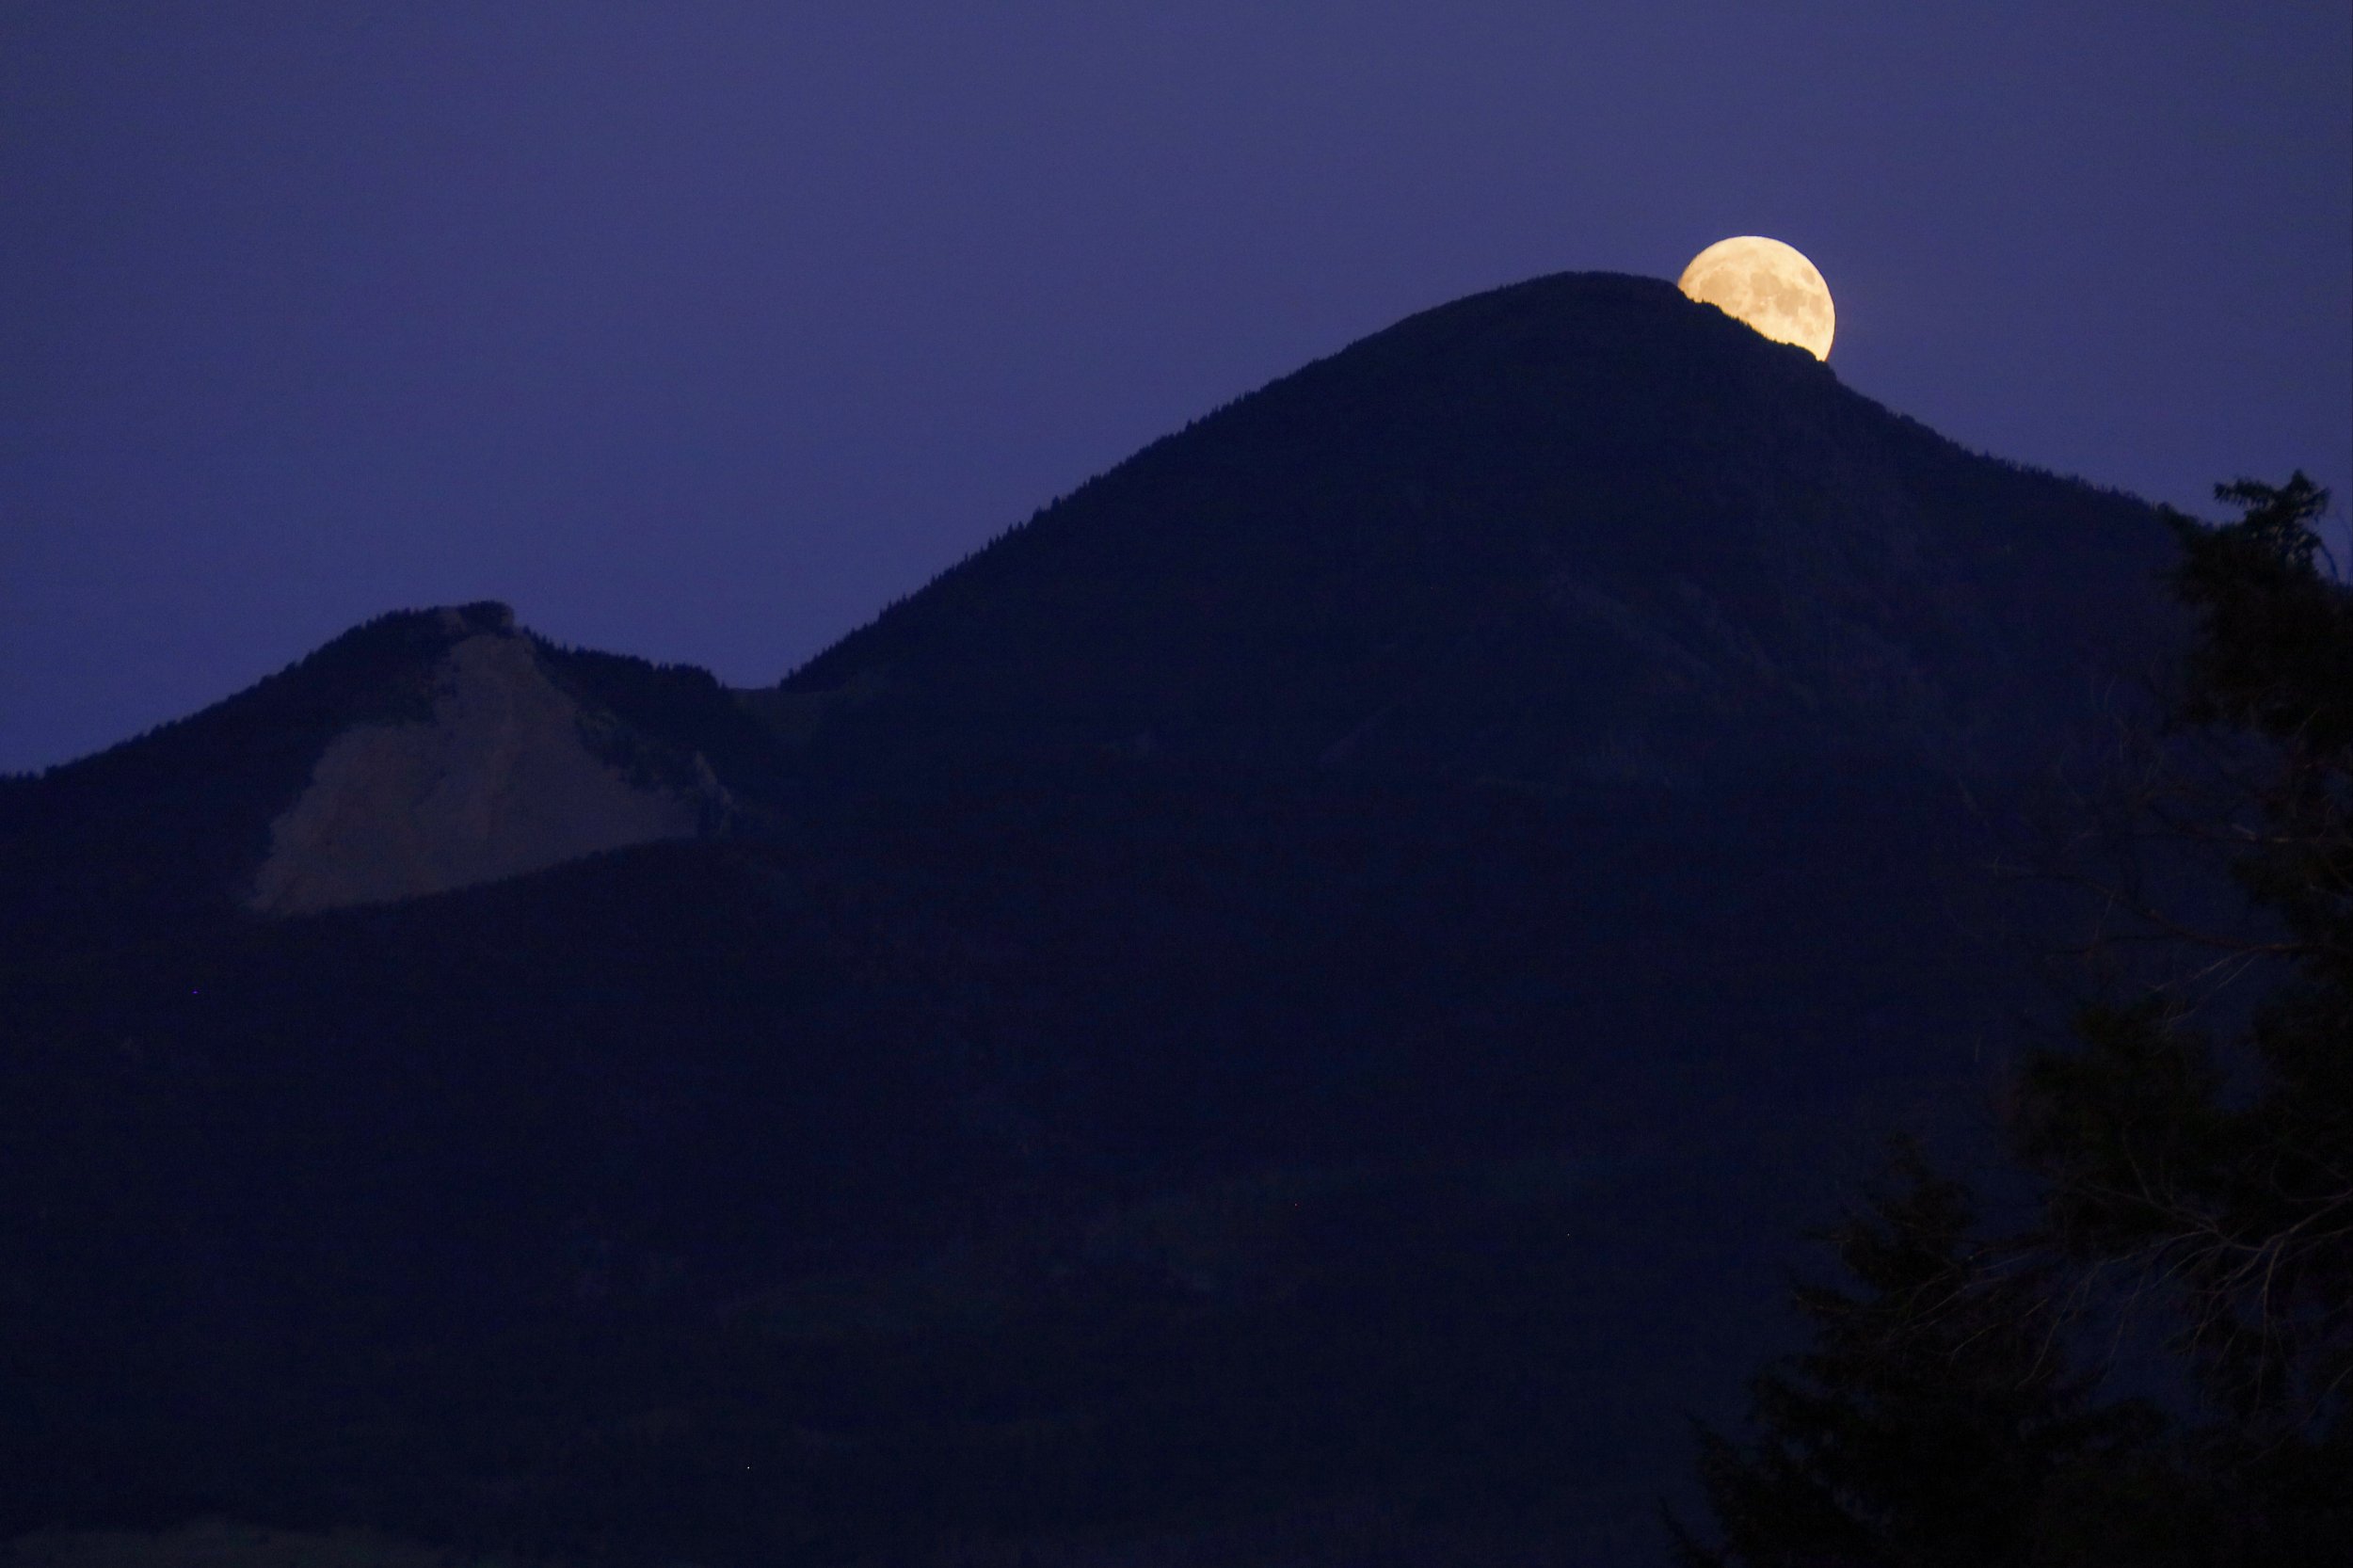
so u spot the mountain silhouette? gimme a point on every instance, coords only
(1321, 972)
(1567, 532)
(423, 751)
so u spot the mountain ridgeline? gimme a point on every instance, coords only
(1293, 998)
(1582, 531)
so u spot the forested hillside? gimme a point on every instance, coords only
(1318, 978)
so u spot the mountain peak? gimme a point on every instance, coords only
(421, 751)
(503, 775)
(1578, 528)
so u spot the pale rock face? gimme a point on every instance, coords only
(498, 782)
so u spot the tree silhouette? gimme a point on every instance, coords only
(1932, 1421)
(2185, 1151)
(2206, 1151)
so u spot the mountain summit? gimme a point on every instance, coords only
(1312, 978)
(425, 751)
(498, 779)
(1579, 529)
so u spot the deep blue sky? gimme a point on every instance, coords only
(702, 330)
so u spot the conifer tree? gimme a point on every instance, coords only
(2214, 1159)
(2197, 1155)
(1932, 1421)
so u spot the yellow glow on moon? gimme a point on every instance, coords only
(1767, 284)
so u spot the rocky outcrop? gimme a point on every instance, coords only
(501, 780)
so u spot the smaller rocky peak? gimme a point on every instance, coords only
(508, 771)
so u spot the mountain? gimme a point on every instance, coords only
(421, 752)
(1581, 530)
(1292, 1005)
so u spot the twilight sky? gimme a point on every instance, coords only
(700, 330)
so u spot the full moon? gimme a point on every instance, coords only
(1767, 284)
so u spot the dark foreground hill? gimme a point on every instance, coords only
(1293, 1004)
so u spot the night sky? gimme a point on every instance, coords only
(701, 331)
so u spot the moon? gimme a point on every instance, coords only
(1769, 286)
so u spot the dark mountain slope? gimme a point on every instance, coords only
(1326, 969)
(1579, 529)
(1079, 1164)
